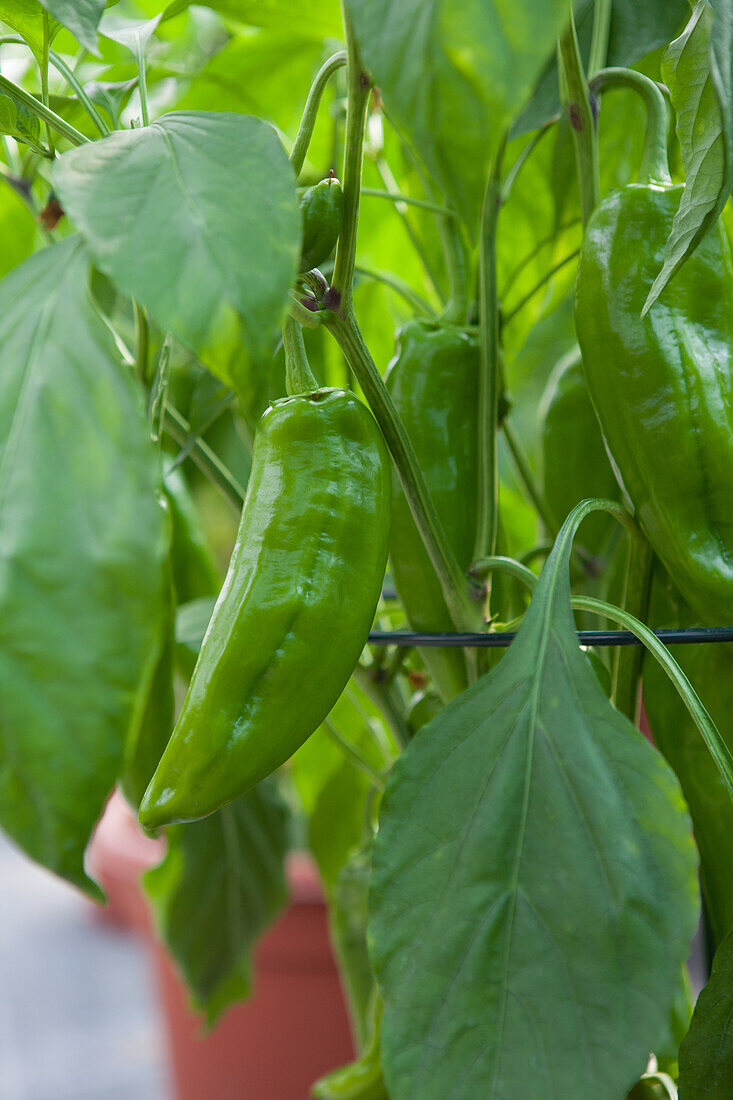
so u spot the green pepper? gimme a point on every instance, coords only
(434, 383)
(322, 208)
(709, 668)
(362, 1079)
(661, 383)
(575, 462)
(295, 609)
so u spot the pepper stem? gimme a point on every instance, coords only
(654, 163)
(299, 377)
(310, 111)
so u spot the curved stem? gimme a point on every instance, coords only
(73, 81)
(654, 162)
(359, 87)
(310, 111)
(490, 376)
(500, 564)
(577, 105)
(717, 747)
(59, 124)
(394, 282)
(299, 377)
(455, 586)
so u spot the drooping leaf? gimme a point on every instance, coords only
(193, 216)
(221, 883)
(81, 17)
(82, 545)
(27, 18)
(533, 851)
(20, 123)
(706, 1054)
(686, 70)
(454, 75)
(637, 27)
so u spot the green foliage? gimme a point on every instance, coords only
(530, 758)
(83, 540)
(189, 216)
(221, 883)
(706, 1055)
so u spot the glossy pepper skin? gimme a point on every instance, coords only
(295, 609)
(662, 385)
(434, 383)
(322, 208)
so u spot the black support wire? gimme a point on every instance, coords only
(689, 636)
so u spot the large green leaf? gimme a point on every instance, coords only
(686, 70)
(221, 883)
(706, 1054)
(81, 17)
(27, 18)
(534, 889)
(637, 27)
(192, 216)
(454, 75)
(82, 546)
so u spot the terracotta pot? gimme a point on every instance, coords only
(295, 1026)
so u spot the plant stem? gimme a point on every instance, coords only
(310, 111)
(654, 161)
(538, 285)
(490, 382)
(519, 163)
(353, 755)
(44, 81)
(73, 81)
(75, 136)
(141, 342)
(577, 105)
(394, 282)
(359, 88)
(628, 659)
(599, 40)
(456, 588)
(142, 85)
(527, 478)
(384, 695)
(500, 564)
(299, 377)
(207, 460)
(409, 200)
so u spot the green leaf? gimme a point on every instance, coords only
(637, 27)
(721, 70)
(454, 76)
(533, 852)
(221, 883)
(193, 216)
(27, 18)
(81, 17)
(19, 122)
(686, 70)
(706, 1054)
(312, 18)
(348, 919)
(83, 541)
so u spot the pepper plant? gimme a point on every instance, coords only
(426, 310)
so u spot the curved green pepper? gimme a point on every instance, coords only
(434, 383)
(710, 671)
(662, 384)
(322, 208)
(295, 609)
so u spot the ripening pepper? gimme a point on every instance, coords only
(434, 383)
(295, 609)
(662, 384)
(322, 209)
